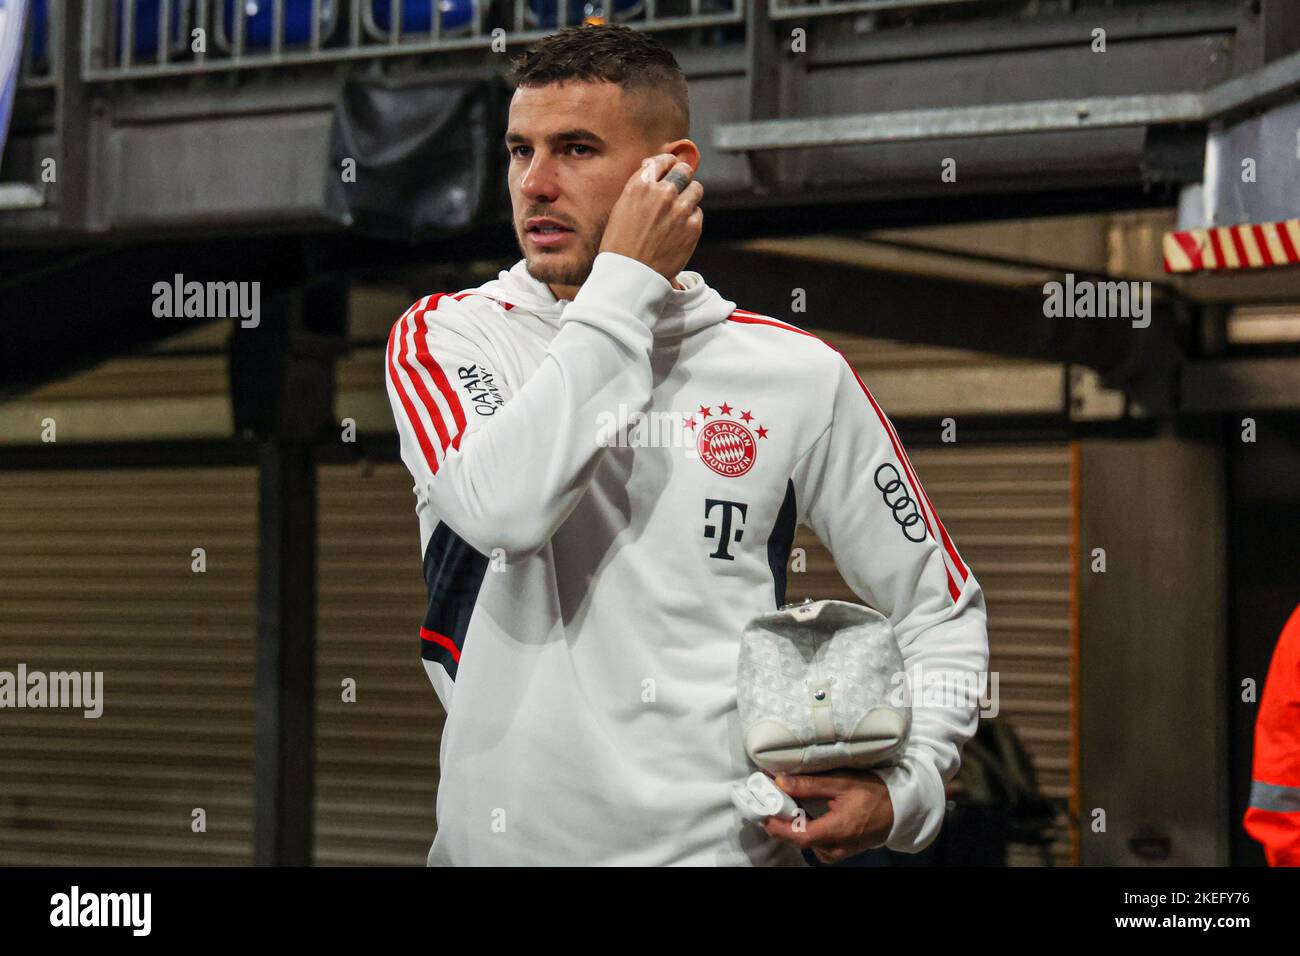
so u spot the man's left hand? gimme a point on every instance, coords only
(859, 817)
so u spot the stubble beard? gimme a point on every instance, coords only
(562, 268)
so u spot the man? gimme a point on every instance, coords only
(1273, 817)
(588, 582)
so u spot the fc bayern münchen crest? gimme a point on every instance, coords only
(725, 443)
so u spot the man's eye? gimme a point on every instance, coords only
(521, 151)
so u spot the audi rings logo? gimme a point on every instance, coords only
(906, 513)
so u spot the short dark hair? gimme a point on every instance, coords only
(612, 53)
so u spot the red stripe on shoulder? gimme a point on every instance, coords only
(460, 295)
(420, 356)
(753, 318)
(416, 355)
(394, 356)
(430, 364)
(917, 488)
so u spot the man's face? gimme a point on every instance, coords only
(573, 147)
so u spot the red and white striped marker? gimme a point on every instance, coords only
(1233, 247)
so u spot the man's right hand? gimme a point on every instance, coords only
(652, 222)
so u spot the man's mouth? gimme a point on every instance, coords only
(546, 232)
(543, 225)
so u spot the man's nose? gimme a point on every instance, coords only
(539, 180)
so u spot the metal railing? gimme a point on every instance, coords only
(787, 9)
(135, 39)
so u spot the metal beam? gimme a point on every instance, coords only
(1269, 84)
(998, 35)
(1263, 86)
(1235, 385)
(1000, 119)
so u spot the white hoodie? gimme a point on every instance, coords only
(607, 491)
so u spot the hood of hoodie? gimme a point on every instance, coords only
(689, 309)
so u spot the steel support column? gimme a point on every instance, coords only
(285, 738)
(282, 382)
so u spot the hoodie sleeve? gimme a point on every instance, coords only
(505, 473)
(862, 498)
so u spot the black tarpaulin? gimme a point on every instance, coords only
(429, 156)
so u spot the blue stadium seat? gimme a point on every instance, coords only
(38, 25)
(259, 14)
(417, 15)
(144, 44)
(545, 13)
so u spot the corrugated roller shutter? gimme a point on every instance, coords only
(1008, 509)
(377, 757)
(95, 575)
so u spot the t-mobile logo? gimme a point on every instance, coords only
(723, 531)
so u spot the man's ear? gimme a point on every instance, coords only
(686, 152)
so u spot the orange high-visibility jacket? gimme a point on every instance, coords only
(1273, 817)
